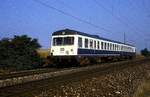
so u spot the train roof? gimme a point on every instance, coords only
(74, 32)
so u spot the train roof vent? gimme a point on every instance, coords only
(96, 36)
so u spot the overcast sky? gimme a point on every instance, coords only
(106, 18)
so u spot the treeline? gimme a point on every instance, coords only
(19, 53)
(145, 52)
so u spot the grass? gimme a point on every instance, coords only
(144, 90)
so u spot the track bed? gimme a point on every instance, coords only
(116, 80)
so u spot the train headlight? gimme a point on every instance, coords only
(71, 50)
(67, 52)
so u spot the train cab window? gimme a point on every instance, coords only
(68, 41)
(95, 44)
(57, 41)
(91, 43)
(80, 42)
(63, 41)
(86, 43)
(102, 45)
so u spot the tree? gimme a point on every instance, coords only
(145, 52)
(19, 53)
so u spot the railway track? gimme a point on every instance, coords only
(39, 71)
(26, 73)
(32, 72)
(72, 77)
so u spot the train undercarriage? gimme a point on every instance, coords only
(74, 61)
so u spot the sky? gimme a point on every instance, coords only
(106, 18)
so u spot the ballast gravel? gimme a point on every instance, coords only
(120, 83)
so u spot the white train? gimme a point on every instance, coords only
(70, 43)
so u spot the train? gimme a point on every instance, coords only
(70, 45)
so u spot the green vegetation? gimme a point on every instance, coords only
(19, 53)
(145, 52)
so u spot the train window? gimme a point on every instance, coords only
(110, 46)
(105, 45)
(121, 48)
(102, 44)
(91, 43)
(86, 43)
(80, 42)
(95, 44)
(63, 41)
(116, 47)
(130, 49)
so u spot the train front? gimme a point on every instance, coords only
(63, 44)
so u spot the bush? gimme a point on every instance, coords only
(19, 53)
(145, 52)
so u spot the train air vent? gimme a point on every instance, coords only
(67, 52)
(62, 49)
